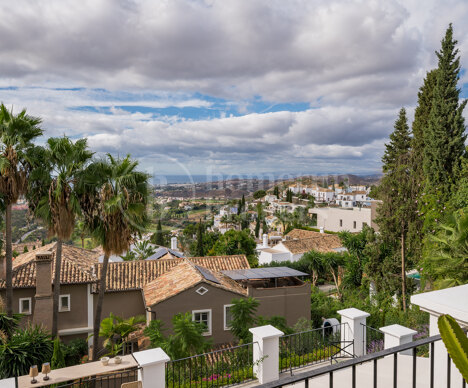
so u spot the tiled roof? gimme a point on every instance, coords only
(77, 266)
(301, 241)
(182, 277)
(132, 275)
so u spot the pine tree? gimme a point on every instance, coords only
(200, 248)
(398, 207)
(445, 136)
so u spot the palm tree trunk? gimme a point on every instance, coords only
(403, 269)
(9, 261)
(97, 315)
(58, 269)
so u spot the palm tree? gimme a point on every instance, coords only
(315, 263)
(447, 258)
(59, 203)
(143, 250)
(114, 196)
(16, 135)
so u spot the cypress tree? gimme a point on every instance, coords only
(243, 203)
(200, 248)
(398, 207)
(420, 123)
(257, 227)
(419, 127)
(159, 234)
(276, 191)
(445, 136)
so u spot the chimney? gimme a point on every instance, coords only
(265, 240)
(174, 243)
(322, 230)
(43, 299)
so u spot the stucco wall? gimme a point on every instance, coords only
(289, 302)
(190, 300)
(329, 218)
(123, 304)
(78, 314)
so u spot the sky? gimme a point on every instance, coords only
(225, 86)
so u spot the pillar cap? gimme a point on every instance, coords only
(265, 332)
(353, 313)
(398, 331)
(151, 357)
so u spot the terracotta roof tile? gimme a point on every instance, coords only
(182, 277)
(77, 266)
(136, 274)
(301, 241)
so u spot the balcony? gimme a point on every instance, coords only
(347, 354)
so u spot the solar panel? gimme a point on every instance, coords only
(207, 275)
(263, 273)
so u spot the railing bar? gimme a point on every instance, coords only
(432, 365)
(395, 370)
(330, 380)
(448, 370)
(414, 367)
(353, 383)
(375, 372)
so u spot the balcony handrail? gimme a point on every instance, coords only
(305, 376)
(316, 329)
(213, 352)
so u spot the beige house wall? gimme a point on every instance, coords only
(124, 304)
(292, 303)
(189, 300)
(329, 218)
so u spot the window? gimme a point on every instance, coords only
(64, 303)
(204, 317)
(227, 316)
(354, 224)
(25, 306)
(341, 222)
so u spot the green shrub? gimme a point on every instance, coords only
(74, 351)
(29, 346)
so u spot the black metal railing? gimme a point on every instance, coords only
(218, 368)
(313, 346)
(108, 380)
(425, 378)
(372, 339)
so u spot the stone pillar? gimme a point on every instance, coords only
(353, 329)
(43, 299)
(266, 353)
(396, 335)
(153, 367)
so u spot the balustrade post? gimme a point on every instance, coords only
(266, 353)
(396, 335)
(153, 367)
(352, 329)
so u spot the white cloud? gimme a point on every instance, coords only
(356, 62)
